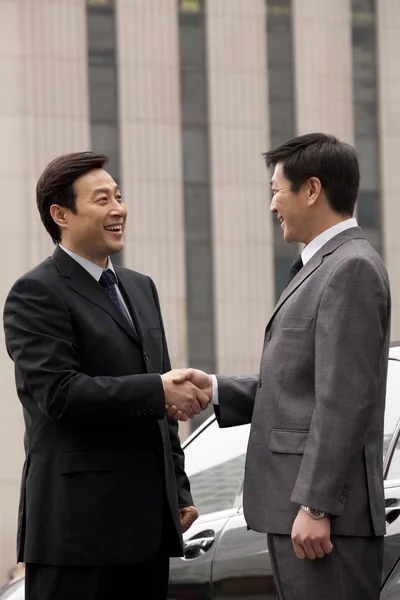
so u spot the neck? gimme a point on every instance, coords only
(327, 223)
(99, 261)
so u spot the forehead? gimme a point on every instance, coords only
(97, 178)
(278, 177)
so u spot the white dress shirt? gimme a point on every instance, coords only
(307, 253)
(96, 272)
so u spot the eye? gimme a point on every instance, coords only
(102, 199)
(118, 197)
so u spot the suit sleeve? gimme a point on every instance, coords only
(182, 481)
(236, 396)
(41, 341)
(351, 348)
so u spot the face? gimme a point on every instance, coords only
(96, 230)
(290, 207)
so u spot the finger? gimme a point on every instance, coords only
(327, 546)
(299, 550)
(178, 416)
(183, 416)
(319, 551)
(203, 399)
(309, 550)
(185, 524)
(183, 376)
(171, 410)
(196, 408)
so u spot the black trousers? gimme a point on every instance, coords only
(144, 580)
(352, 571)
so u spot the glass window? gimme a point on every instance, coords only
(214, 462)
(394, 468)
(392, 416)
(196, 188)
(365, 108)
(281, 113)
(102, 75)
(392, 411)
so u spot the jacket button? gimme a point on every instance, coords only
(259, 382)
(138, 412)
(151, 411)
(269, 335)
(342, 498)
(144, 412)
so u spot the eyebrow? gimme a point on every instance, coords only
(104, 190)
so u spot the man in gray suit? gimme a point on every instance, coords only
(313, 479)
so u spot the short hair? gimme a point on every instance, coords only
(56, 185)
(333, 162)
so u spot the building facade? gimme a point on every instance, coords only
(184, 96)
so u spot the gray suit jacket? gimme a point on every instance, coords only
(317, 405)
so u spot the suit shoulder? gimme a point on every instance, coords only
(42, 272)
(134, 276)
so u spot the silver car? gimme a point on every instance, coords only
(223, 559)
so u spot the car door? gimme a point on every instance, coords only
(242, 567)
(392, 469)
(214, 463)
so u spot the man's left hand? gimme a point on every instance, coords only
(188, 515)
(311, 538)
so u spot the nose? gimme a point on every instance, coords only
(272, 207)
(118, 208)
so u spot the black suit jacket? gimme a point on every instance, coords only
(104, 470)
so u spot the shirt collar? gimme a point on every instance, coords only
(324, 237)
(94, 270)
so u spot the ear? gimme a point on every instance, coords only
(59, 214)
(314, 189)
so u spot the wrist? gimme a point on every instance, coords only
(314, 513)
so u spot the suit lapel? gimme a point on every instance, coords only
(143, 317)
(79, 280)
(313, 264)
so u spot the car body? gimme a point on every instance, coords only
(225, 560)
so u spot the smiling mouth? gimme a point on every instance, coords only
(114, 228)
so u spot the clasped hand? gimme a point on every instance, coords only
(187, 393)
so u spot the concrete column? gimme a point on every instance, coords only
(151, 170)
(388, 22)
(323, 63)
(43, 113)
(242, 228)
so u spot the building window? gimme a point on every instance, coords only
(281, 114)
(366, 118)
(102, 73)
(196, 186)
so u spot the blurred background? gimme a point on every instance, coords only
(184, 96)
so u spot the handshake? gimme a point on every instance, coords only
(187, 393)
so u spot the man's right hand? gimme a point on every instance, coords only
(200, 379)
(182, 396)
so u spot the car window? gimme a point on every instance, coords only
(214, 463)
(392, 402)
(394, 466)
(13, 591)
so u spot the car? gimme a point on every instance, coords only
(222, 558)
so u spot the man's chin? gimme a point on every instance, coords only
(116, 248)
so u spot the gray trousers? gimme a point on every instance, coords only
(352, 571)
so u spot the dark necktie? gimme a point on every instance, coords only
(108, 280)
(295, 268)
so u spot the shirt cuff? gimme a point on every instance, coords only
(214, 399)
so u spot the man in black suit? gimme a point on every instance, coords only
(104, 495)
